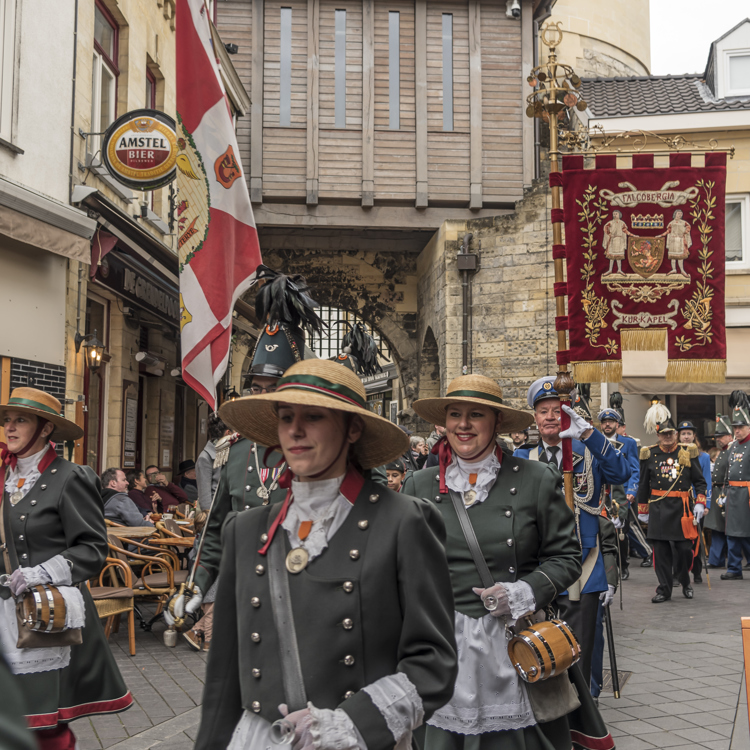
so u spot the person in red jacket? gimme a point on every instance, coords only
(167, 493)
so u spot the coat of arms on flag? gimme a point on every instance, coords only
(217, 240)
(645, 265)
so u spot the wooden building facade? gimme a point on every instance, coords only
(407, 104)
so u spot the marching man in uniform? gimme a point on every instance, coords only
(595, 463)
(669, 472)
(737, 480)
(716, 516)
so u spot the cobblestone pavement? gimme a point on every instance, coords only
(683, 693)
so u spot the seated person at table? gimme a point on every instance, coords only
(118, 507)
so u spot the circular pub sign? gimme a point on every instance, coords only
(140, 149)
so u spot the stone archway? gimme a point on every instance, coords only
(429, 373)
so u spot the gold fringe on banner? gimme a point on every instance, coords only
(607, 371)
(643, 339)
(696, 370)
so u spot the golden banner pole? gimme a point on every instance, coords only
(555, 91)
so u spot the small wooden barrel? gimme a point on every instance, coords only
(43, 609)
(543, 650)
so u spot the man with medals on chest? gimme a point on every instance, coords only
(737, 483)
(621, 496)
(670, 477)
(716, 516)
(595, 463)
(250, 476)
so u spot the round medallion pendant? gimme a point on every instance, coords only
(16, 497)
(262, 492)
(469, 497)
(296, 560)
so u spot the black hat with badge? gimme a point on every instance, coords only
(286, 309)
(686, 425)
(359, 351)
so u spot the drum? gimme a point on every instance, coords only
(543, 650)
(43, 609)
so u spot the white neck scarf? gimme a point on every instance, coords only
(457, 476)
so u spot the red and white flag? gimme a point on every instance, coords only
(217, 239)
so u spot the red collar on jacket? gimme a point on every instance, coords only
(350, 489)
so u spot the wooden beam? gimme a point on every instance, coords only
(475, 92)
(420, 73)
(368, 103)
(313, 107)
(256, 110)
(527, 63)
(246, 311)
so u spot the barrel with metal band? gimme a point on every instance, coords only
(543, 650)
(43, 609)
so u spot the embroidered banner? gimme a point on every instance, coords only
(645, 260)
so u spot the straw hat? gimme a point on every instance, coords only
(43, 405)
(317, 382)
(473, 389)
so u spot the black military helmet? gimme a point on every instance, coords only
(658, 419)
(286, 310)
(740, 408)
(359, 351)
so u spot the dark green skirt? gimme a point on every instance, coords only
(582, 728)
(90, 684)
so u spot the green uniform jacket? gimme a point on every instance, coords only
(62, 515)
(524, 528)
(376, 601)
(665, 512)
(716, 516)
(738, 497)
(237, 491)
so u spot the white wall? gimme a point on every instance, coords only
(32, 303)
(44, 97)
(738, 40)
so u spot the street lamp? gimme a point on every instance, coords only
(92, 349)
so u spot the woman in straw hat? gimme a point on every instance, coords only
(345, 574)
(54, 531)
(526, 535)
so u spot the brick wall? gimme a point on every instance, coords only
(30, 374)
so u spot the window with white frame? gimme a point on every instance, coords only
(737, 231)
(7, 57)
(738, 73)
(104, 77)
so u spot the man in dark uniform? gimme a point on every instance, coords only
(621, 496)
(737, 473)
(669, 472)
(249, 477)
(716, 517)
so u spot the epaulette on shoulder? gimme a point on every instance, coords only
(645, 453)
(688, 451)
(693, 450)
(222, 449)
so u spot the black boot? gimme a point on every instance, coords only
(647, 561)
(659, 598)
(625, 574)
(687, 592)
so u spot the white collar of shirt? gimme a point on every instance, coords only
(558, 452)
(457, 476)
(27, 468)
(322, 503)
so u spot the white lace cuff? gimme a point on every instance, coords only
(398, 700)
(59, 570)
(520, 598)
(75, 611)
(334, 730)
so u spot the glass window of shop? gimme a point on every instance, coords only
(380, 403)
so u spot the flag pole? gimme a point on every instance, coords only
(555, 91)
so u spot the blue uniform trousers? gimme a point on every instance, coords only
(736, 547)
(717, 555)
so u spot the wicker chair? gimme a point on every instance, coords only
(148, 583)
(175, 538)
(115, 599)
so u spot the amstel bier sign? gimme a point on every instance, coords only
(140, 149)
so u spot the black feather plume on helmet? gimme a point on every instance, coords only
(615, 402)
(286, 299)
(738, 399)
(361, 347)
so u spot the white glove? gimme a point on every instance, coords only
(302, 721)
(22, 579)
(617, 522)
(500, 593)
(578, 425)
(180, 608)
(699, 511)
(643, 517)
(607, 596)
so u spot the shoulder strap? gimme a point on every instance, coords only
(283, 617)
(471, 541)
